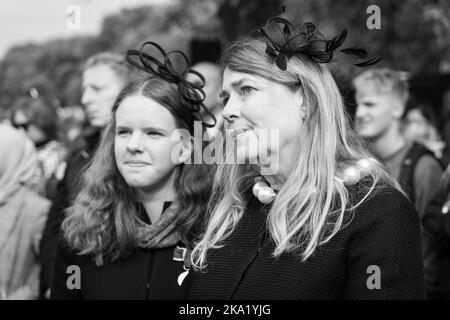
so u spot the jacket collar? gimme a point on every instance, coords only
(227, 265)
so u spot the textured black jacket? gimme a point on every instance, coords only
(382, 238)
(145, 274)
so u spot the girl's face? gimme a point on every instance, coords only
(145, 151)
(256, 110)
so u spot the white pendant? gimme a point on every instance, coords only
(266, 195)
(351, 175)
(182, 276)
(364, 163)
(257, 187)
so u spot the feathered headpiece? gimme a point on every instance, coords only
(285, 40)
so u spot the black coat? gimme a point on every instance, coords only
(384, 233)
(145, 274)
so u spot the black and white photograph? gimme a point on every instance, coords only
(225, 155)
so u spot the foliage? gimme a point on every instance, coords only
(414, 37)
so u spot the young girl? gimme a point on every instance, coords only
(130, 228)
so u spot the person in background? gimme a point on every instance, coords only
(437, 222)
(104, 76)
(3, 117)
(73, 119)
(421, 125)
(445, 114)
(39, 120)
(212, 74)
(22, 215)
(381, 97)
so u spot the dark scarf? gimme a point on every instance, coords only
(164, 232)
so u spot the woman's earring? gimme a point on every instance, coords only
(263, 191)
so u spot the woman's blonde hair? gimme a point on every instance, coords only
(310, 207)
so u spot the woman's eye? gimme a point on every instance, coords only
(246, 90)
(122, 132)
(225, 100)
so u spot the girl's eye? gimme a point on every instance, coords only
(246, 90)
(153, 133)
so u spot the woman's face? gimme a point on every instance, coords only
(21, 122)
(145, 153)
(256, 110)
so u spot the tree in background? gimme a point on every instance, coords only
(54, 68)
(414, 37)
(414, 34)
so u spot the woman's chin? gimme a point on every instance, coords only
(245, 156)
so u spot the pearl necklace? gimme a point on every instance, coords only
(263, 191)
(351, 175)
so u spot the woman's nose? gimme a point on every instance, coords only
(231, 111)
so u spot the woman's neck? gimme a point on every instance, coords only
(273, 176)
(279, 167)
(275, 181)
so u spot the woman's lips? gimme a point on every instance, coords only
(238, 131)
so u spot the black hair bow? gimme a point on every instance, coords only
(285, 40)
(191, 93)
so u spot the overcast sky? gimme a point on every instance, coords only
(23, 21)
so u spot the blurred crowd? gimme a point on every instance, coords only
(44, 149)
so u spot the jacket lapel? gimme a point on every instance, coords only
(227, 265)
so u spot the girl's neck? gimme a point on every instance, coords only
(153, 199)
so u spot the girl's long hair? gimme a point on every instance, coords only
(310, 207)
(104, 219)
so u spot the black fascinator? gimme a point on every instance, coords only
(284, 39)
(191, 94)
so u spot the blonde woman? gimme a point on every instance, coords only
(329, 223)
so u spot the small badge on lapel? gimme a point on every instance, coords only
(179, 254)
